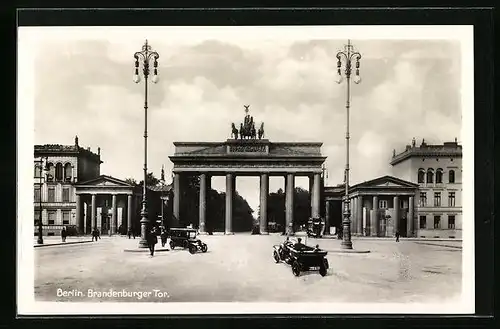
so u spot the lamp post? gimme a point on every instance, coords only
(346, 57)
(145, 56)
(43, 172)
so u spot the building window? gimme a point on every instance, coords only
(38, 170)
(430, 176)
(451, 222)
(52, 194)
(451, 176)
(421, 175)
(437, 222)
(423, 199)
(51, 217)
(382, 204)
(423, 222)
(439, 176)
(59, 172)
(66, 215)
(51, 172)
(68, 172)
(451, 199)
(65, 196)
(37, 194)
(37, 217)
(437, 199)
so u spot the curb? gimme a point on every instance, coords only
(59, 244)
(349, 251)
(145, 250)
(439, 245)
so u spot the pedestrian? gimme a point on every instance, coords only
(163, 236)
(94, 234)
(397, 236)
(98, 234)
(152, 240)
(129, 233)
(64, 234)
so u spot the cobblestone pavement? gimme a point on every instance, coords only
(241, 268)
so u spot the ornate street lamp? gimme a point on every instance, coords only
(44, 170)
(145, 56)
(346, 57)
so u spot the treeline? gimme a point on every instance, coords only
(243, 220)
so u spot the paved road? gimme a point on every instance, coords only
(241, 268)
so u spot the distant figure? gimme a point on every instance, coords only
(316, 249)
(129, 233)
(98, 234)
(397, 236)
(152, 240)
(94, 234)
(163, 236)
(64, 234)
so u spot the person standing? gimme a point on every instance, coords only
(64, 234)
(152, 240)
(163, 236)
(397, 236)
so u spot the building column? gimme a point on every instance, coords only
(316, 195)
(264, 192)
(359, 214)
(396, 214)
(229, 203)
(327, 217)
(85, 214)
(203, 203)
(311, 193)
(374, 225)
(410, 221)
(114, 218)
(129, 213)
(177, 199)
(79, 224)
(93, 214)
(290, 187)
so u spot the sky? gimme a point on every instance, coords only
(411, 87)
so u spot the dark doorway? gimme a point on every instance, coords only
(336, 214)
(402, 227)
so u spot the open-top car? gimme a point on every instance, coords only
(301, 257)
(186, 238)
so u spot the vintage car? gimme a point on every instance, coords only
(186, 238)
(301, 257)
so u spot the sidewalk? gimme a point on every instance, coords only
(56, 240)
(385, 238)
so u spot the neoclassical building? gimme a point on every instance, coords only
(72, 193)
(437, 170)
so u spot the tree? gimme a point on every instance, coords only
(131, 181)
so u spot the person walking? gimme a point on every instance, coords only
(129, 233)
(94, 234)
(64, 234)
(163, 236)
(152, 240)
(397, 236)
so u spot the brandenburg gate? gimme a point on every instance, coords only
(248, 155)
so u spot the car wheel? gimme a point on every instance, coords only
(276, 256)
(322, 270)
(296, 268)
(172, 244)
(204, 248)
(192, 249)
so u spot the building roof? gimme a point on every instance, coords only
(447, 149)
(58, 149)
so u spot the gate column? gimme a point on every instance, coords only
(177, 199)
(203, 203)
(264, 191)
(290, 182)
(229, 203)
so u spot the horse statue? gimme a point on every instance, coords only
(252, 131)
(234, 131)
(242, 131)
(261, 131)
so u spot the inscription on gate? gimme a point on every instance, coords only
(247, 148)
